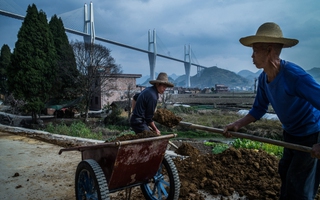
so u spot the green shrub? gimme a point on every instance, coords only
(114, 117)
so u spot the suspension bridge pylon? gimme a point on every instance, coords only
(187, 63)
(152, 53)
(89, 24)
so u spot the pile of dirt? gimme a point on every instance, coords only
(143, 134)
(187, 150)
(166, 118)
(250, 173)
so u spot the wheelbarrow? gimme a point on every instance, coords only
(109, 167)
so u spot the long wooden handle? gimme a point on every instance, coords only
(247, 136)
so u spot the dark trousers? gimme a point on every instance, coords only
(138, 125)
(299, 172)
(139, 128)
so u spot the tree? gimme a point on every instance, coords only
(95, 65)
(66, 86)
(130, 93)
(31, 74)
(5, 59)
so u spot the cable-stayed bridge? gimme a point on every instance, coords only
(72, 23)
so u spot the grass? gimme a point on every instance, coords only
(76, 129)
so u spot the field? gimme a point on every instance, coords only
(222, 100)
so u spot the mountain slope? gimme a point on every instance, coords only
(214, 75)
(249, 74)
(315, 73)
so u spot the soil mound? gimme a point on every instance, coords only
(187, 150)
(250, 173)
(166, 118)
(143, 134)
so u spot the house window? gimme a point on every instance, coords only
(96, 100)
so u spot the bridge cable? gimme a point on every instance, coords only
(162, 45)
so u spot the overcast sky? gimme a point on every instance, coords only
(212, 28)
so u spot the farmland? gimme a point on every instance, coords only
(223, 100)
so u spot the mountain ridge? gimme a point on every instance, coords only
(214, 75)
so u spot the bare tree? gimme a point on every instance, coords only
(165, 98)
(129, 94)
(95, 65)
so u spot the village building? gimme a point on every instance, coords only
(221, 88)
(120, 87)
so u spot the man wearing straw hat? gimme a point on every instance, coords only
(141, 119)
(294, 95)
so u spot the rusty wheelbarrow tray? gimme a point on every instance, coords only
(109, 167)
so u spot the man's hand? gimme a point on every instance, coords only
(235, 126)
(230, 127)
(158, 132)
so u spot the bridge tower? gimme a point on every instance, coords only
(187, 63)
(89, 24)
(199, 71)
(152, 54)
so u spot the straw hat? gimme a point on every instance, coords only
(268, 33)
(163, 79)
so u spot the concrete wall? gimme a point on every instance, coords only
(123, 86)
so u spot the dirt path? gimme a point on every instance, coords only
(32, 169)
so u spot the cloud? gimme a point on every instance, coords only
(212, 28)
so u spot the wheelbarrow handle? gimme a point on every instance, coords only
(248, 136)
(117, 143)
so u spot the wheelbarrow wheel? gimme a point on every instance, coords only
(90, 182)
(165, 184)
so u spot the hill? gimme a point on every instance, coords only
(214, 75)
(315, 73)
(208, 78)
(249, 74)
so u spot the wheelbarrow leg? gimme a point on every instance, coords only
(128, 193)
(90, 181)
(165, 184)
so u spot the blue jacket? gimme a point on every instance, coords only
(295, 97)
